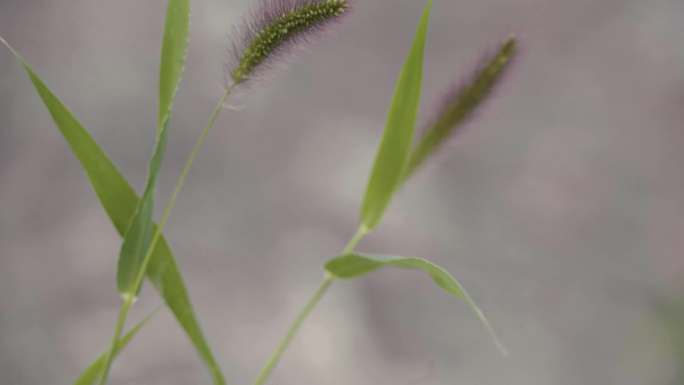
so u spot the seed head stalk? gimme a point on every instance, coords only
(279, 24)
(308, 308)
(129, 300)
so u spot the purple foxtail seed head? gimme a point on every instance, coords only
(274, 27)
(461, 102)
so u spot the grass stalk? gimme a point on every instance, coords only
(129, 300)
(308, 308)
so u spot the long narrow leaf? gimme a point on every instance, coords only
(397, 139)
(356, 265)
(120, 201)
(92, 373)
(173, 54)
(137, 238)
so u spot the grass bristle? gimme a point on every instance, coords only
(274, 28)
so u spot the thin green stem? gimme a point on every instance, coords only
(273, 361)
(128, 300)
(176, 191)
(361, 232)
(265, 372)
(118, 330)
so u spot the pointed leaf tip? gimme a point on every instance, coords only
(356, 265)
(173, 54)
(397, 140)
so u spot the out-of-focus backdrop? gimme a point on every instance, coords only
(561, 207)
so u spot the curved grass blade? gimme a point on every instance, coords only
(460, 104)
(92, 373)
(355, 265)
(397, 138)
(120, 201)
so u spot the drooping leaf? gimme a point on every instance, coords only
(355, 265)
(397, 139)
(92, 373)
(460, 103)
(120, 201)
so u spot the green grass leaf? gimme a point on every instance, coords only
(120, 201)
(174, 51)
(356, 265)
(138, 236)
(461, 103)
(92, 373)
(397, 139)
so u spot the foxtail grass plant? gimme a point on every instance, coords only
(265, 38)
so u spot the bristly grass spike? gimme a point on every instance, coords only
(270, 33)
(273, 29)
(461, 102)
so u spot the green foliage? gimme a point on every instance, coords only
(174, 51)
(395, 162)
(136, 252)
(145, 252)
(139, 234)
(137, 238)
(120, 201)
(92, 373)
(397, 139)
(356, 265)
(134, 256)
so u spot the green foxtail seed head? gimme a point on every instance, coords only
(276, 27)
(461, 102)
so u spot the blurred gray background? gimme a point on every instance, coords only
(561, 207)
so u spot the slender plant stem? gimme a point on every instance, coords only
(265, 372)
(273, 361)
(176, 191)
(118, 330)
(128, 300)
(361, 232)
